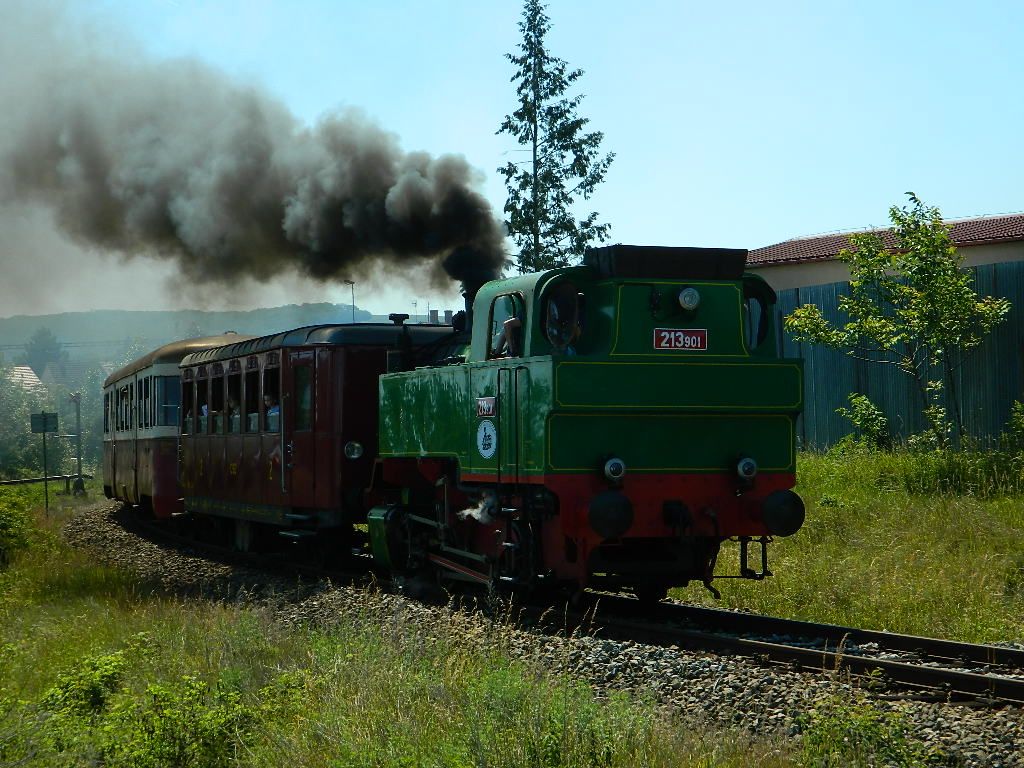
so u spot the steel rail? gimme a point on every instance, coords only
(638, 622)
(938, 649)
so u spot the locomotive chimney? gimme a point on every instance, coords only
(469, 294)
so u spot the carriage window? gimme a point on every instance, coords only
(233, 410)
(106, 412)
(131, 404)
(252, 401)
(217, 404)
(145, 402)
(202, 406)
(506, 327)
(303, 397)
(187, 409)
(272, 399)
(167, 400)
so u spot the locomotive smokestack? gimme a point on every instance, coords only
(175, 160)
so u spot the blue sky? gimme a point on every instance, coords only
(735, 124)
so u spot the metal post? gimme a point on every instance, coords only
(46, 476)
(79, 487)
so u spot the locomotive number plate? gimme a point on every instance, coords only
(681, 338)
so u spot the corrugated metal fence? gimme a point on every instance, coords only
(989, 381)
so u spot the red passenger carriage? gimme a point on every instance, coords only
(283, 429)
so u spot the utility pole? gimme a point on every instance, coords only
(79, 487)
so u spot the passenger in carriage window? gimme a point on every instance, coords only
(234, 415)
(273, 412)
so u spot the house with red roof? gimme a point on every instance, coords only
(805, 261)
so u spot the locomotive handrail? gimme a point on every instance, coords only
(280, 432)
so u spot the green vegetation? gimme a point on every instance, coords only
(920, 542)
(849, 733)
(565, 160)
(96, 669)
(911, 306)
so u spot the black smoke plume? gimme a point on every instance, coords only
(173, 159)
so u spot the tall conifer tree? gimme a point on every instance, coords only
(565, 160)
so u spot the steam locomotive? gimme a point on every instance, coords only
(611, 424)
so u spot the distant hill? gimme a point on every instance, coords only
(103, 334)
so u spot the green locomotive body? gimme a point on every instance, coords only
(610, 424)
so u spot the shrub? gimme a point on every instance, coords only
(850, 732)
(188, 724)
(869, 422)
(15, 525)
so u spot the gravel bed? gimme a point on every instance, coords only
(730, 691)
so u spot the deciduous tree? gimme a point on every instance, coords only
(911, 306)
(565, 161)
(41, 349)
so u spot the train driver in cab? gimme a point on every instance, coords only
(562, 317)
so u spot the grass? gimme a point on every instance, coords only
(926, 544)
(96, 669)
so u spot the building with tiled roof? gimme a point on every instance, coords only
(805, 261)
(72, 374)
(26, 378)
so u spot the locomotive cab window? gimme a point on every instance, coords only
(252, 401)
(233, 410)
(562, 317)
(272, 399)
(758, 299)
(506, 327)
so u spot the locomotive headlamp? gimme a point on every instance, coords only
(689, 299)
(614, 469)
(353, 450)
(746, 468)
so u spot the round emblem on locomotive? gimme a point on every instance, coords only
(486, 438)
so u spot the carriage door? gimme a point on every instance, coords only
(298, 413)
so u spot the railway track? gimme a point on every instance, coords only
(894, 663)
(939, 669)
